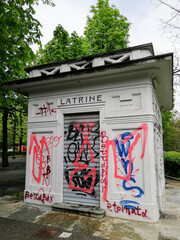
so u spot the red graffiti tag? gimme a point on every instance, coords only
(41, 163)
(112, 143)
(135, 211)
(37, 155)
(80, 166)
(53, 141)
(104, 139)
(46, 109)
(137, 135)
(39, 196)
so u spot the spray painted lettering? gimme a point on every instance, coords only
(41, 158)
(127, 210)
(40, 196)
(53, 141)
(123, 147)
(46, 110)
(104, 139)
(81, 153)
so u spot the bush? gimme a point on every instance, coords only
(172, 164)
(19, 195)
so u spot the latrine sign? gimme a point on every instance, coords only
(80, 100)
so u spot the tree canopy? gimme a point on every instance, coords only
(62, 47)
(171, 131)
(19, 30)
(106, 30)
(171, 24)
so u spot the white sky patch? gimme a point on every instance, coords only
(143, 15)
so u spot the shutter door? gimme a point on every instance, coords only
(81, 180)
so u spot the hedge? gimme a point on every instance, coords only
(172, 164)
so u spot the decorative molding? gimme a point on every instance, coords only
(87, 64)
(44, 124)
(130, 119)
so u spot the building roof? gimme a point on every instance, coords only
(120, 61)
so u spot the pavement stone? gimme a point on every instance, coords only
(170, 229)
(8, 208)
(29, 212)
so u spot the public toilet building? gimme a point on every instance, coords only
(95, 132)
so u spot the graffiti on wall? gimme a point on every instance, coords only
(46, 110)
(156, 108)
(125, 170)
(158, 148)
(104, 173)
(125, 209)
(40, 152)
(81, 157)
(40, 196)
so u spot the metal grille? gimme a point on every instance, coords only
(82, 159)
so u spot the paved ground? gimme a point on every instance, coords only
(19, 220)
(12, 178)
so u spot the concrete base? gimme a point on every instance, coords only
(79, 209)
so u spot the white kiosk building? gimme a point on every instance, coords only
(95, 132)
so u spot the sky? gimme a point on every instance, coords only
(144, 15)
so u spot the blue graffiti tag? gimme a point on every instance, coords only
(123, 152)
(141, 192)
(125, 204)
(120, 146)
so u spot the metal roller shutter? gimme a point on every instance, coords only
(81, 180)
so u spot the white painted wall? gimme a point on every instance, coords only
(129, 105)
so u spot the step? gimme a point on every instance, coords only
(84, 210)
(173, 214)
(170, 229)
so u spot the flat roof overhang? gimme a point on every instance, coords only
(160, 65)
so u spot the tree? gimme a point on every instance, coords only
(56, 49)
(17, 130)
(62, 47)
(19, 30)
(171, 131)
(17, 120)
(79, 46)
(107, 29)
(172, 26)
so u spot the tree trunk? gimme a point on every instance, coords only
(21, 135)
(5, 146)
(14, 138)
(20, 145)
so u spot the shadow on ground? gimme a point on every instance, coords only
(12, 178)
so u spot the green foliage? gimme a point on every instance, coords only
(171, 131)
(107, 29)
(62, 47)
(19, 195)
(17, 125)
(19, 30)
(172, 164)
(78, 46)
(56, 49)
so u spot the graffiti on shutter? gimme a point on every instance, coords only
(81, 159)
